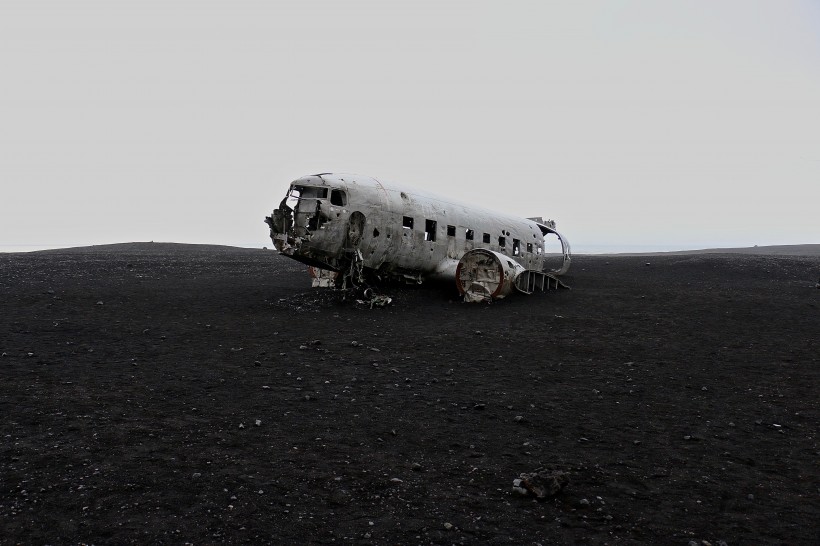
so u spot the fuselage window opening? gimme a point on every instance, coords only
(469, 234)
(486, 238)
(529, 248)
(308, 192)
(430, 230)
(407, 222)
(292, 197)
(502, 242)
(451, 231)
(516, 247)
(338, 198)
(307, 206)
(302, 197)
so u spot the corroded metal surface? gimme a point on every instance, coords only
(359, 226)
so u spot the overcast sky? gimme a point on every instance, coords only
(674, 123)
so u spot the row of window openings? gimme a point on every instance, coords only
(430, 234)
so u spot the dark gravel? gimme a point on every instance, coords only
(156, 393)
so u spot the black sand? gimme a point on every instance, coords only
(679, 396)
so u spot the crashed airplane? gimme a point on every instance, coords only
(353, 229)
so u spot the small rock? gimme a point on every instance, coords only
(302, 347)
(416, 467)
(519, 418)
(583, 502)
(448, 526)
(750, 497)
(99, 303)
(241, 425)
(542, 483)
(479, 406)
(257, 363)
(258, 422)
(354, 343)
(375, 349)
(340, 496)
(197, 475)
(316, 342)
(396, 480)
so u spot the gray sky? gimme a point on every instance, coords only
(676, 123)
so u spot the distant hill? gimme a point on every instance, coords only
(774, 250)
(149, 248)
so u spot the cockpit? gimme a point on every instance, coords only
(311, 207)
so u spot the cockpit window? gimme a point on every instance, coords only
(292, 198)
(307, 192)
(338, 198)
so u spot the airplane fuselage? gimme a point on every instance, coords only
(329, 220)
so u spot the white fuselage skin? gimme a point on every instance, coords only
(399, 232)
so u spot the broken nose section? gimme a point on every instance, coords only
(281, 232)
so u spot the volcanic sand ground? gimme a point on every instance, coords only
(156, 393)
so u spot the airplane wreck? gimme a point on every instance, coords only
(355, 230)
